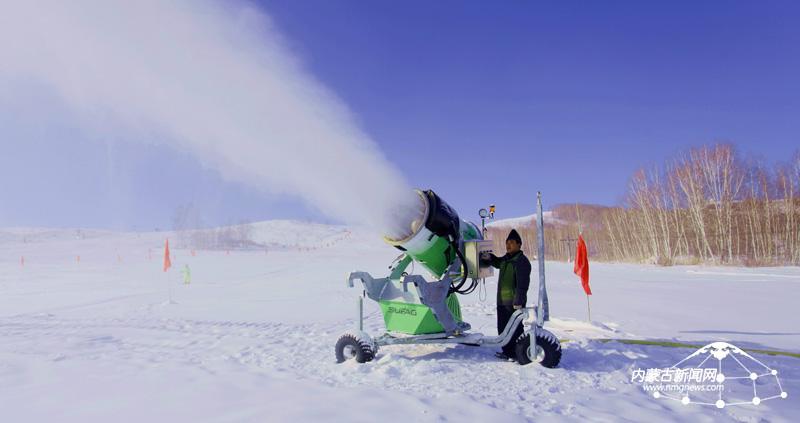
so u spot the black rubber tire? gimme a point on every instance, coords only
(546, 341)
(359, 350)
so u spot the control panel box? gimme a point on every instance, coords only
(472, 254)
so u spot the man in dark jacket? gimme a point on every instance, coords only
(512, 286)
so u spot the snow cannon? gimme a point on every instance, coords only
(436, 235)
(418, 311)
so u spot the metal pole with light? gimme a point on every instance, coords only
(483, 213)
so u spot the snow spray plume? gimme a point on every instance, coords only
(217, 81)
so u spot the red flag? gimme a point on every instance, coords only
(582, 265)
(167, 261)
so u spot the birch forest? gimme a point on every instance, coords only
(706, 205)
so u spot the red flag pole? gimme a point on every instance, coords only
(167, 265)
(167, 260)
(588, 308)
(580, 235)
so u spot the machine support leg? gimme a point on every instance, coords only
(360, 322)
(544, 305)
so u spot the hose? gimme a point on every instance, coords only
(482, 291)
(457, 288)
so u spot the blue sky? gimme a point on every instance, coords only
(482, 101)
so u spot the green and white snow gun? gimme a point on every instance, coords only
(416, 310)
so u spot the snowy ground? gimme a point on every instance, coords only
(251, 338)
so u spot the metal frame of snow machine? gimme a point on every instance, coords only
(417, 311)
(362, 347)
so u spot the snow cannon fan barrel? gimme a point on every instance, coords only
(434, 237)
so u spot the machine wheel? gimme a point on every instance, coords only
(546, 351)
(351, 346)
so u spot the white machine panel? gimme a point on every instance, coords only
(472, 253)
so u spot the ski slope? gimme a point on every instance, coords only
(251, 338)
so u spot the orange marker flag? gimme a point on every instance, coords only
(167, 261)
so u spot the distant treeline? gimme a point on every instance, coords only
(707, 205)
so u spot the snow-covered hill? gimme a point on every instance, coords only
(251, 338)
(295, 234)
(522, 221)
